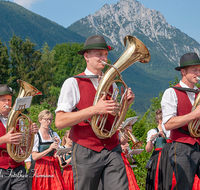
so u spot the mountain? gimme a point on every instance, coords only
(127, 17)
(165, 43)
(15, 19)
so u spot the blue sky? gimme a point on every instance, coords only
(182, 14)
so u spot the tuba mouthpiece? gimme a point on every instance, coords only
(197, 78)
(7, 107)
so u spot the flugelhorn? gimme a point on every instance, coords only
(21, 124)
(135, 51)
(128, 135)
(193, 126)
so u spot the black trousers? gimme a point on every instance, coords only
(89, 167)
(13, 179)
(185, 159)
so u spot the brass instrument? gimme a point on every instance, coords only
(130, 137)
(21, 124)
(135, 51)
(193, 126)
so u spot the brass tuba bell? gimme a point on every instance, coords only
(135, 51)
(21, 124)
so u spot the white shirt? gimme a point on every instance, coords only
(4, 120)
(70, 94)
(36, 140)
(150, 133)
(169, 102)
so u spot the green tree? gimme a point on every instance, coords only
(69, 62)
(4, 64)
(25, 63)
(49, 66)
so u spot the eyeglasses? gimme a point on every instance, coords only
(48, 119)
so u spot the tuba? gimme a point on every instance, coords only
(193, 126)
(135, 51)
(21, 124)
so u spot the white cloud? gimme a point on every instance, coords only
(26, 3)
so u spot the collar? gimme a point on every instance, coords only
(186, 86)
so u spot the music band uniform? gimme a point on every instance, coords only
(90, 154)
(92, 158)
(12, 174)
(184, 152)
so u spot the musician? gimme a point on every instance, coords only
(67, 168)
(12, 174)
(155, 139)
(176, 106)
(92, 158)
(47, 173)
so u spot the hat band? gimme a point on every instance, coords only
(6, 93)
(188, 63)
(96, 46)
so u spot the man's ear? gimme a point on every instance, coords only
(86, 56)
(183, 72)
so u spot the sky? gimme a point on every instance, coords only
(182, 14)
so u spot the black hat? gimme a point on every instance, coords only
(188, 59)
(6, 90)
(95, 42)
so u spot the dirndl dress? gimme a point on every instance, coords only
(68, 175)
(152, 179)
(47, 172)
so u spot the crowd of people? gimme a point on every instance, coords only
(95, 163)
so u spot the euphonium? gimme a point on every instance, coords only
(193, 126)
(135, 51)
(21, 124)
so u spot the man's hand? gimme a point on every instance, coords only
(12, 138)
(34, 128)
(104, 106)
(130, 96)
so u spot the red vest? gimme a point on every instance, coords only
(184, 107)
(82, 133)
(5, 160)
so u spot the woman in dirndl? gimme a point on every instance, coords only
(47, 173)
(155, 140)
(67, 168)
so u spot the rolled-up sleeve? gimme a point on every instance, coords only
(36, 143)
(69, 96)
(169, 105)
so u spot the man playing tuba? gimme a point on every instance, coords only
(92, 158)
(184, 153)
(12, 174)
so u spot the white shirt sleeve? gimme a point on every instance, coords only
(150, 133)
(169, 105)
(69, 96)
(36, 143)
(28, 159)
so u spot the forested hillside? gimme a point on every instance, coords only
(15, 19)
